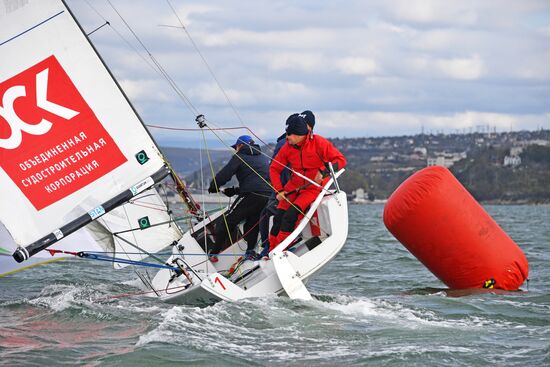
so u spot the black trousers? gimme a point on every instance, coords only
(284, 220)
(247, 207)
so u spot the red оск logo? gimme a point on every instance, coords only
(51, 142)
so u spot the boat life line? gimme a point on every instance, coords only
(441, 224)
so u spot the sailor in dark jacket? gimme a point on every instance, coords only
(252, 171)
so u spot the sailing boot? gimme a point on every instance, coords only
(251, 255)
(265, 250)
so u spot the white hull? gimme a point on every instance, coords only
(283, 272)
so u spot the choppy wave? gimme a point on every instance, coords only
(364, 313)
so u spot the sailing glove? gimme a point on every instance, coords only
(326, 172)
(230, 191)
(212, 188)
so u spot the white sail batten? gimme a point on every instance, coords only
(69, 138)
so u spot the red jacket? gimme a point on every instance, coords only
(306, 159)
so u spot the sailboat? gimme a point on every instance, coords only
(75, 154)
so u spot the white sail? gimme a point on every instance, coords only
(69, 139)
(131, 242)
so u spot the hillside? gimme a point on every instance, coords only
(488, 180)
(185, 161)
(494, 167)
(504, 167)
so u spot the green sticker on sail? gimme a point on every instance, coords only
(142, 157)
(144, 222)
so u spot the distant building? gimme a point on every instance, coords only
(437, 161)
(359, 196)
(421, 150)
(541, 142)
(516, 151)
(512, 160)
(527, 142)
(445, 159)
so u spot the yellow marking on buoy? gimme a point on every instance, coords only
(489, 283)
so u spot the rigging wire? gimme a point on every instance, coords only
(252, 169)
(162, 72)
(160, 68)
(216, 185)
(206, 64)
(54, 251)
(146, 280)
(189, 104)
(217, 189)
(169, 79)
(272, 159)
(225, 129)
(121, 37)
(165, 74)
(204, 217)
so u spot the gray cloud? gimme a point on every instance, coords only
(364, 67)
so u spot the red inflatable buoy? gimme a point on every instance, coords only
(441, 224)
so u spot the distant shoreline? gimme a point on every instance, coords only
(485, 202)
(515, 202)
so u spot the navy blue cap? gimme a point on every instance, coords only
(243, 139)
(291, 117)
(296, 125)
(309, 117)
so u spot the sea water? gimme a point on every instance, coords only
(374, 305)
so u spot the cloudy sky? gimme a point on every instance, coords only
(364, 67)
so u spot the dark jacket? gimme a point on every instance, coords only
(285, 175)
(248, 179)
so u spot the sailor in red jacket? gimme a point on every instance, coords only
(307, 154)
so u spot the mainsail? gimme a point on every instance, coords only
(71, 146)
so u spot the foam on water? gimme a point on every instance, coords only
(259, 328)
(364, 313)
(59, 297)
(391, 312)
(418, 350)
